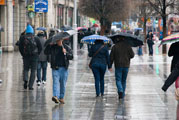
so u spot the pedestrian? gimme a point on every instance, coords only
(173, 52)
(88, 33)
(139, 51)
(52, 32)
(30, 48)
(60, 56)
(150, 43)
(80, 36)
(100, 60)
(45, 34)
(121, 54)
(42, 62)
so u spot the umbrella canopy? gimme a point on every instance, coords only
(59, 36)
(66, 28)
(95, 25)
(170, 39)
(71, 32)
(82, 29)
(41, 28)
(133, 40)
(92, 38)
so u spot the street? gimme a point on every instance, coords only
(144, 98)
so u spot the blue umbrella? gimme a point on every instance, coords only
(41, 28)
(92, 38)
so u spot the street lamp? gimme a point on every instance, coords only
(75, 28)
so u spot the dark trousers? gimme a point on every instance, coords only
(150, 49)
(29, 64)
(171, 79)
(98, 72)
(42, 65)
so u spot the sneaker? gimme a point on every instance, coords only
(38, 83)
(43, 82)
(55, 99)
(62, 101)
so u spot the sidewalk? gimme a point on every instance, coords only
(144, 98)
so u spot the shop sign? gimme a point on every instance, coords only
(41, 5)
(30, 8)
(31, 14)
(2, 2)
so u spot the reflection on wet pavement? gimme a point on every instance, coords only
(144, 98)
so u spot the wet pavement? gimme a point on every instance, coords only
(144, 98)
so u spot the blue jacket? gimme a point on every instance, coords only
(102, 57)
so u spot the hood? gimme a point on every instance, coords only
(29, 29)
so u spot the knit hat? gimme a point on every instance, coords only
(29, 29)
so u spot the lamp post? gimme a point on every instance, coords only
(75, 28)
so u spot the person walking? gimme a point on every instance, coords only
(173, 52)
(80, 36)
(30, 48)
(121, 54)
(42, 62)
(52, 32)
(100, 60)
(60, 56)
(88, 33)
(150, 43)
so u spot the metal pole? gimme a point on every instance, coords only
(75, 28)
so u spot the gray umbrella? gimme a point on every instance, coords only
(56, 37)
(133, 40)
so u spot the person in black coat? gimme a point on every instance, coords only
(30, 53)
(150, 43)
(173, 51)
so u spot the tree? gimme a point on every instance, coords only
(144, 12)
(161, 6)
(106, 11)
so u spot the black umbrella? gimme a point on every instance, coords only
(66, 27)
(56, 37)
(133, 40)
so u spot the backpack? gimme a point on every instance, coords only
(29, 46)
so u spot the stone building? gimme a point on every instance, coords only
(14, 17)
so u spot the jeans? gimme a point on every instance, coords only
(42, 65)
(59, 82)
(121, 76)
(29, 64)
(98, 72)
(150, 49)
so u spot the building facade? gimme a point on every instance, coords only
(14, 16)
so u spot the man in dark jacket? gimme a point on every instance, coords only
(121, 54)
(42, 62)
(30, 48)
(60, 56)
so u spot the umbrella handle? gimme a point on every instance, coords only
(63, 48)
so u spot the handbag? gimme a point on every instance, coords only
(90, 63)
